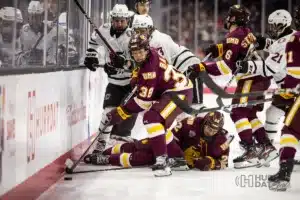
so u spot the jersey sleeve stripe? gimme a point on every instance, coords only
(270, 70)
(185, 61)
(175, 61)
(280, 81)
(92, 43)
(223, 67)
(264, 68)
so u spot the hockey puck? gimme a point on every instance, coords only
(68, 178)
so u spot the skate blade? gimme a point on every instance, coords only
(279, 187)
(163, 172)
(242, 165)
(180, 168)
(266, 163)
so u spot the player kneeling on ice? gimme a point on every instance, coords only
(155, 80)
(204, 141)
(139, 153)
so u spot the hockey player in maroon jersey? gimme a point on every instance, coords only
(238, 45)
(155, 80)
(139, 153)
(290, 133)
(204, 141)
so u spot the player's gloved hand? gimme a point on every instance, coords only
(118, 61)
(244, 67)
(213, 49)
(205, 164)
(91, 59)
(261, 41)
(110, 70)
(117, 115)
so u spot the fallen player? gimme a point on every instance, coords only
(203, 141)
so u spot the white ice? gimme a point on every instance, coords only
(131, 184)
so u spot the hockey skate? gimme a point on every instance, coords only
(178, 164)
(161, 167)
(99, 159)
(268, 154)
(100, 147)
(281, 180)
(248, 159)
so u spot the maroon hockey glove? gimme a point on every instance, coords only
(216, 50)
(205, 164)
(117, 115)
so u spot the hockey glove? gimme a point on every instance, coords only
(110, 70)
(244, 67)
(261, 42)
(118, 61)
(216, 50)
(91, 59)
(206, 163)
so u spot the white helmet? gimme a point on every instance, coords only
(142, 21)
(120, 10)
(11, 14)
(35, 7)
(278, 21)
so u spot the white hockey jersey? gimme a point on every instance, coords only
(119, 44)
(275, 64)
(178, 56)
(30, 39)
(6, 50)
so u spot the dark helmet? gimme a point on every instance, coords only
(142, 1)
(237, 15)
(138, 41)
(214, 120)
(296, 17)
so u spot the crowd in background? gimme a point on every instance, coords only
(203, 24)
(191, 23)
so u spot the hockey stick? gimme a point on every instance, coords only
(102, 66)
(70, 165)
(95, 28)
(183, 105)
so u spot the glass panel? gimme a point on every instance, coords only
(77, 31)
(11, 22)
(174, 20)
(256, 21)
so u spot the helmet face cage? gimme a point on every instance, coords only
(214, 121)
(138, 42)
(275, 30)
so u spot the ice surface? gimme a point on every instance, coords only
(140, 184)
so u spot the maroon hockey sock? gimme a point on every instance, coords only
(158, 145)
(261, 136)
(174, 150)
(287, 153)
(246, 136)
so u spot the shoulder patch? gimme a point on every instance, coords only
(190, 120)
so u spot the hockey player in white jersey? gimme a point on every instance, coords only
(142, 7)
(178, 56)
(32, 37)
(274, 66)
(8, 16)
(117, 34)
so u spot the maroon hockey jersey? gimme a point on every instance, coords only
(155, 78)
(196, 146)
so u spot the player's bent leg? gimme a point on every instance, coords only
(157, 120)
(250, 157)
(289, 142)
